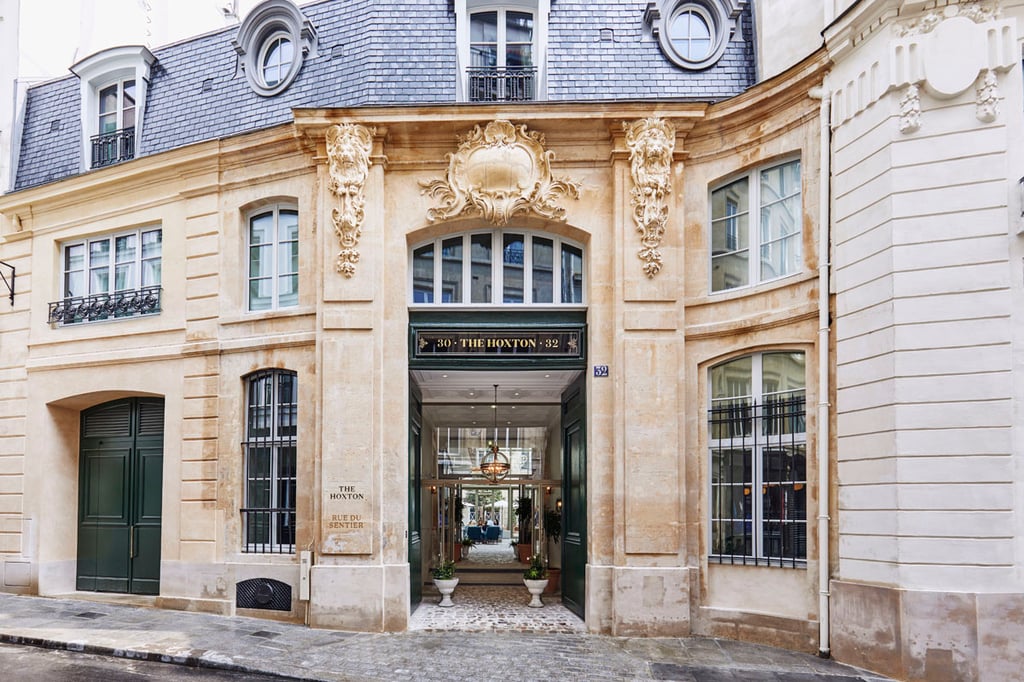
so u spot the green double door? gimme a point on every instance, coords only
(120, 486)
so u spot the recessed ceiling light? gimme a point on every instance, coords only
(547, 376)
(444, 376)
(472, 407)
(516, 393)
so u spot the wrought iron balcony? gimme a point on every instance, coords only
(269, 531)
(144, 301)
(111, 148)
(502, 84)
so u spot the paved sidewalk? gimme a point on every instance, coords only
(255, 645)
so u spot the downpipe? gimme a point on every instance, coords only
(824, 237)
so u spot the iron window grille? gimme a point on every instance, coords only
(268, 517)
(75, 309)
(758, 461)
(502, 84)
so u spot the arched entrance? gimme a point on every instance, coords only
(120, 495)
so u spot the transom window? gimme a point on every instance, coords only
(270, 461)
(111, 276)
(274, 259)
(758, 460)
(760, 214)
(497, 267)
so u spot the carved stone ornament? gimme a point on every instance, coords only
(651, 142)
(499, 172)
(978, 12)
(987, 97)
(910, 110)
(348, 154)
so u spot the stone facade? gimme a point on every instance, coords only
(904, 125)
(926, 101)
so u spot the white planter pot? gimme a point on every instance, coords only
(446, 587)
(536, 588)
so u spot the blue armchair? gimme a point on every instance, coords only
(493, 534)
(475, 533)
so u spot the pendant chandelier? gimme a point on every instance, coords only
(495, 465)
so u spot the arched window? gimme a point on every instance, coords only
(271, 427)
(757, 435)
(497, 267)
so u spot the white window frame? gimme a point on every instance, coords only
(276, 245)
(753, 212)
(498, 270)
(758, 442)
(87, 267)
(541, 9)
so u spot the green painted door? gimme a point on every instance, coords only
(120, 495)
(415, 539)
(574, 496)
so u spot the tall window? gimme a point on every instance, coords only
(271, 421)
(110, 276)
(772, 231)
(115, 140)
(497, 267)
(758, 460)
(274, 259)
(501, 55)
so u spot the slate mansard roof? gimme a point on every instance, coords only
(373, 53)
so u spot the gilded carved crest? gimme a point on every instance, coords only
(348, 154)
(651, 142)
(500, 171)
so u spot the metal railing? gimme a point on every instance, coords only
(493, 84)
(268, 531)
(144, 301)
(111, 148)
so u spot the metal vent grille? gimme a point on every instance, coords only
(113, 419)
(151, 417)
(263, 593)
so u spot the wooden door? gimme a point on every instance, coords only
(120, 497)
(574, 497)
(415, 513)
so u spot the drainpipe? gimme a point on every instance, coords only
(824, 237)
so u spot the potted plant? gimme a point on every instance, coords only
(524, 514)
(445, 581)
(536, 580)
(466, 544)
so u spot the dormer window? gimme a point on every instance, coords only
(113, 90)
(694, 34)
(501, 49)
(272, 44)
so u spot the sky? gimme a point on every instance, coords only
(57, 33)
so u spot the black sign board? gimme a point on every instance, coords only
(538, 343)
